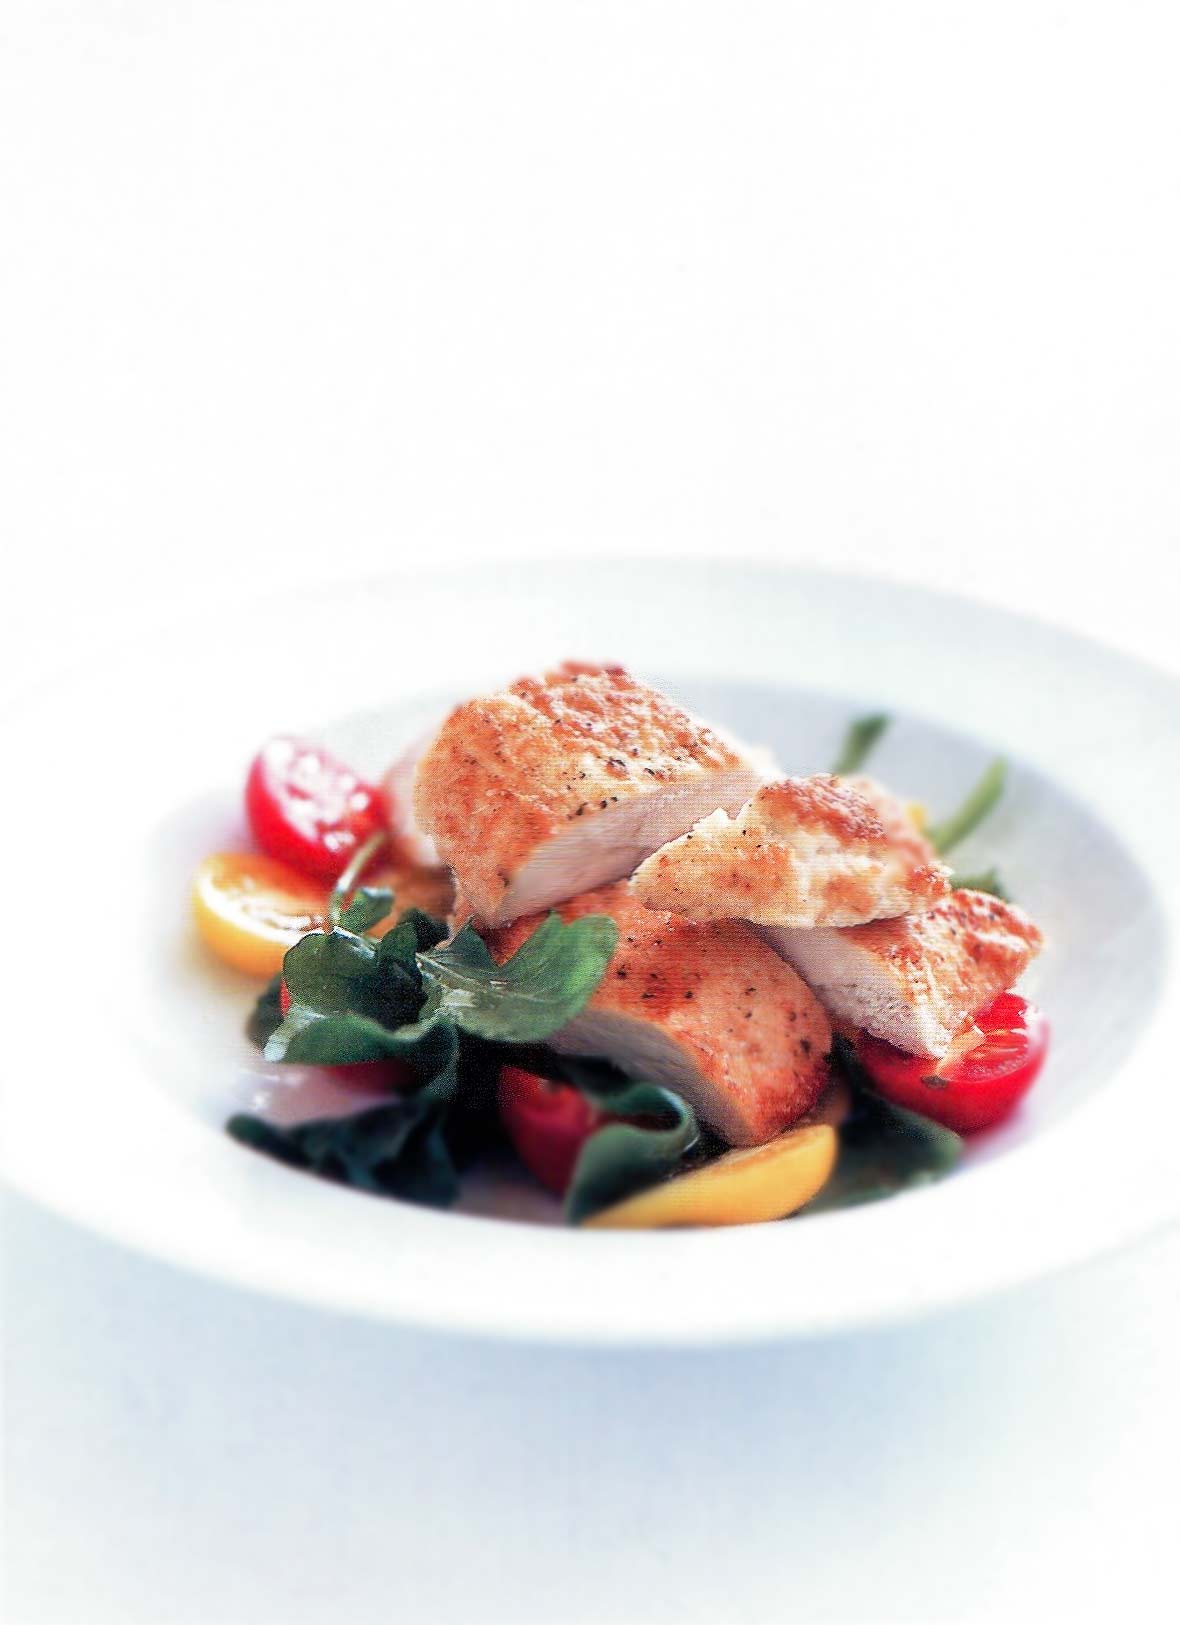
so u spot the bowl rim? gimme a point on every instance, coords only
(201, 1203)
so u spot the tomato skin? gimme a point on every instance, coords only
(548, 1124)
(308, 809)
(976, 1089)
(390, 1074)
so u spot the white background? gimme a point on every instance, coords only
(293, 293)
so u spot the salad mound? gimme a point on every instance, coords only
(795, 1005)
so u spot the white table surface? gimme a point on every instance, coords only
(295, 293)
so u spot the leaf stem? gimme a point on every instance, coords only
(974, 810)
(987, 880)
(354, 869)
(862, 735)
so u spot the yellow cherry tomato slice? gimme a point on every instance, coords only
(249, 910)
(746, 1186)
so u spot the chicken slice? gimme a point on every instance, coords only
(919, 981)
(708, 1010)
(562, 783)
(802, 852)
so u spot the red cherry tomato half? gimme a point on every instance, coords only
(390, 1074)
(547, 1122)
(976, 1089)
(308, 809)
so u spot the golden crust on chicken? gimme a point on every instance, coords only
(919, 981)
(707, 1009)
(802, 852)
(562, 783)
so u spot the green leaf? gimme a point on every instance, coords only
(400, 947)
(860, 739)
(414, 933)
(973, 811)
(370, 905)
(353, 870)
(546, 982)
(343, 1039)
(397, 1149)
(473, 1127)
(337, 973)
(622, 1158)
(988, 880)
(266, 1015)
(883, 1148)
(334, 971)
(428, 931)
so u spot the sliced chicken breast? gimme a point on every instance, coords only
(919, 981)
(802, 852)
(562, 783)
(709, 1010)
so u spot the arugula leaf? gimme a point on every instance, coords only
(266, 1015)
(547, 981)
(398, 1149)
(883, 1148)
(334, 971)
(428, 931)
(862, 735)
(369, 906)
(344, 1039)
(622, 1158)
(337, 973)
(987, 880)
(353, 870)
(973, 811)
(413, 934)
(473, 1125)
(393, 1150)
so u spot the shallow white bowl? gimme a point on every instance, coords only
(124, 1046)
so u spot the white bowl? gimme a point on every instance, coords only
(124, 1044)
